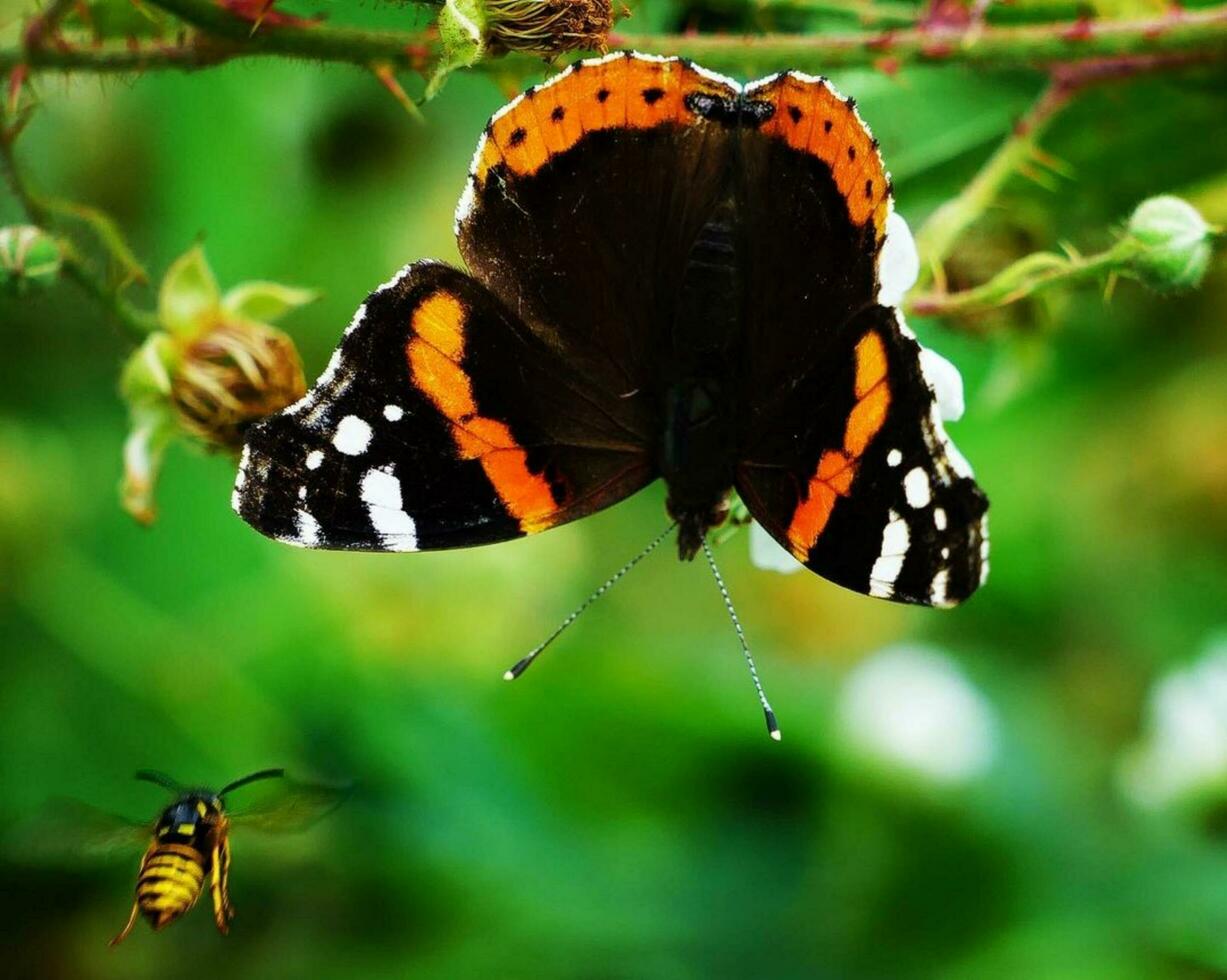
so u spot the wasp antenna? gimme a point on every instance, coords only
(526, 661)
(773, 728)
(159, 779)
(253, 777)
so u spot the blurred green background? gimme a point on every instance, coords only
(1031, 785)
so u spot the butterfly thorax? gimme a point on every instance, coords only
(696, 456)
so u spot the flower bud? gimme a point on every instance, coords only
(1176, 244)
(28, 256)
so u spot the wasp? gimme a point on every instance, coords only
(187, 849)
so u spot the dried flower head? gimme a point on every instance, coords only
(548, 27)
(216, 366)
(233, 375)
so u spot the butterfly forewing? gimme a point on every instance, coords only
(441, 422)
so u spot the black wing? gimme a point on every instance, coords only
(845, 460)
(584, 201)
(441, 421)
(867, 490)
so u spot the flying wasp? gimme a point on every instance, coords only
(191, 845)
(188, 847)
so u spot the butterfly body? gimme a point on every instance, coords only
(672, 276)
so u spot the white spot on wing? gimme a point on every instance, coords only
(916, 487)
(939, 518)
(352, 436)
(393, 413)
(895, 541)
(308, 529)
(937, 591)
(894, 458)
(381, 493)
(314, 459)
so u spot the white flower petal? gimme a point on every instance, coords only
(898, 263)
(946, 382)
(912, 707)
(767, 554)
(1185, 747)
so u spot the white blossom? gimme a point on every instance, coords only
(911, 707)
(1184, 748)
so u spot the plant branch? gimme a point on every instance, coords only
(1181, 36)
(937, 236)
(1026, 277)
(40, 212)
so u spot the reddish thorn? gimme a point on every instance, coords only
(17, 78)
(881, 42)
(1082, 29)
(937, 49)
(888, 66)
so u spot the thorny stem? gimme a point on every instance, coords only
(1185, 36)
(39, 211)
(937, 237)
(1026, 277)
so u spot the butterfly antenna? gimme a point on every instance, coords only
(159, 779)
(253, 777)
(525, 662)
(773, 727)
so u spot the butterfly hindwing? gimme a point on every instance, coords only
(868, 491)
(442, 421)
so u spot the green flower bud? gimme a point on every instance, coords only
(1176, 244)
(28, 256)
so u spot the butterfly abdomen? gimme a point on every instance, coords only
(170, 882)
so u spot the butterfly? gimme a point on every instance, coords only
(672, 276)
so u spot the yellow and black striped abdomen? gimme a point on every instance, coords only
(170, 882)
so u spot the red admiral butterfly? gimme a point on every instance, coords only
(672, 276)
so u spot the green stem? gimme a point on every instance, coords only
(1163, 41)
(1027, 277)
(886, 13)
(137, 322)
(937, 236)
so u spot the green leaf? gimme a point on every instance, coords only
(153, 426)
(146, 376)
(265, 302)
(189, 296)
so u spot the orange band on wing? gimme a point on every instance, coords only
(434, 351)
(810, 117)
(837, 467)
(626, 91)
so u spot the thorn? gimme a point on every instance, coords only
(387, 78)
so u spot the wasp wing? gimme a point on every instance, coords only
(292, 807)
(68, 829)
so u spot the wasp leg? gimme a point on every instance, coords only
(225, 876)
(123, 934)
(219, 902)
